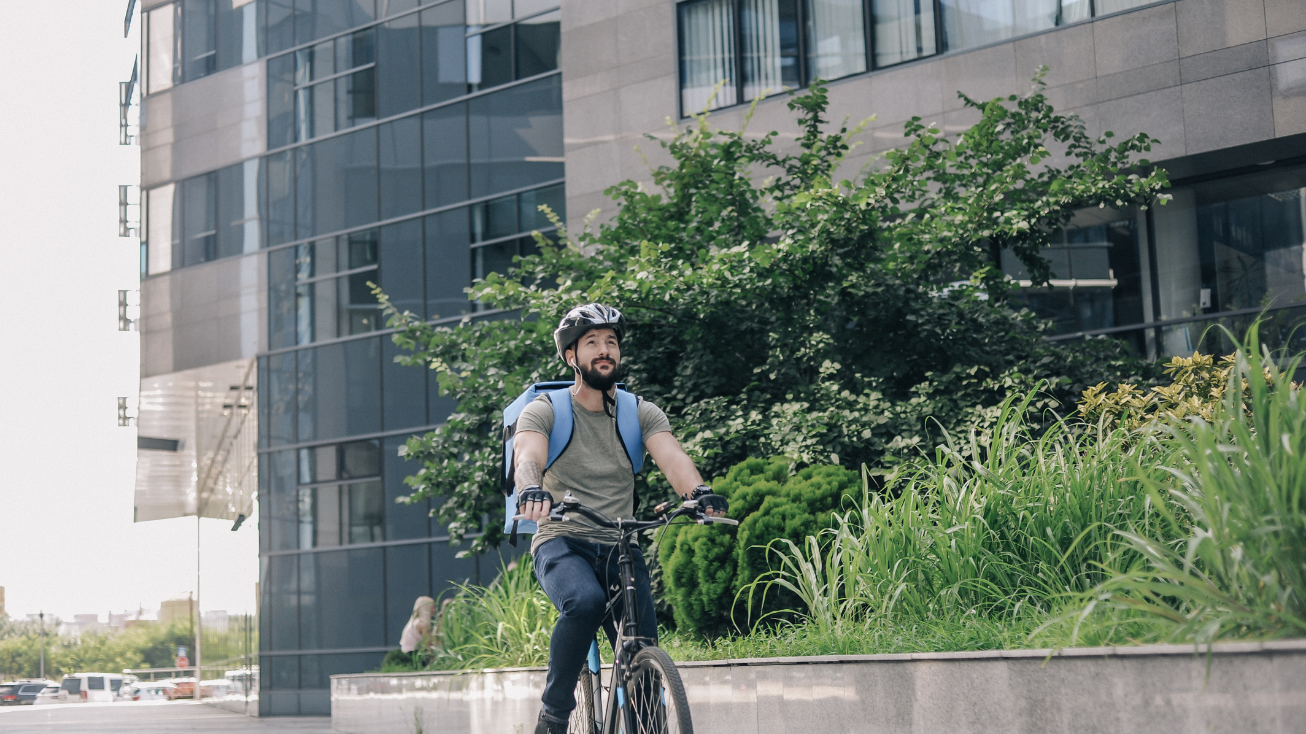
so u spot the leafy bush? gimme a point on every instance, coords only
(1007, 530)
(1228, 557)
(705, 567)
(796, 314)
(144, 646)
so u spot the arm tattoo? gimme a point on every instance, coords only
(528, 473)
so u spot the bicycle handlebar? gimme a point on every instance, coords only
(689, 508)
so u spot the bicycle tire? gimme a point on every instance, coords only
(586, 718)
(655, 696)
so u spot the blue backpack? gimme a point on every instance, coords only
(628, 430)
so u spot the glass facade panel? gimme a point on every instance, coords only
(537, 44)
(239, 229)
(707, 55)
(515, 137)
(283, 500)
(407, 576)
(163, 53)
(161, 228)
(1097, 277)
(770, 35)
(401, 167)
(402, 521)
(397, 55)
(278, 212)
(488, 12)
(280, 25)
(199, 238)
(401, 265)
(489, 59)
(238, 33)
(836, 38)
(339, 390)
(283, 580)
(904, 30)
(444, 60)
(339, 595)
(448, 569)
(444, 155)
(335, 183)
(447, 265)
(316, 19)
(529, 203)
(1230, 244)
(316, 670)
(199, 38)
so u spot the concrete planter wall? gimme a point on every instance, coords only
(1252, 687)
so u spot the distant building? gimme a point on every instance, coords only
(216, 621)
(176, 610)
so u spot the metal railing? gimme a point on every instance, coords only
(1281, 329)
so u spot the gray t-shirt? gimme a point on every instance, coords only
(595, 467)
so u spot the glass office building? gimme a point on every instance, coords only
(407, 145)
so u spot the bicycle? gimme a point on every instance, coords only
(649, 695)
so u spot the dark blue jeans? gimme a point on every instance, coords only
(579, 577)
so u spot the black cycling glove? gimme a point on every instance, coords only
(708, 500)
(533, 493)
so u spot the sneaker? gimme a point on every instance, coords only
(547, 725)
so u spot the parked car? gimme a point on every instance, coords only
(153, 690)
(50, 694)
(92, 686)
(21, 692)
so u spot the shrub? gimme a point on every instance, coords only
(706, 567)
(1228, 560)
(1008, 529)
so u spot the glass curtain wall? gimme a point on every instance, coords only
(779, 44)
(191, 39)
(413, 153)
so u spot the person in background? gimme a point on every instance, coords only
(419, 625)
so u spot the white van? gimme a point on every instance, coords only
(92, 686)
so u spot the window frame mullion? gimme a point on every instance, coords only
(738, 17)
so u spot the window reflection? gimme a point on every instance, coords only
(1096, 276)
(904, 30)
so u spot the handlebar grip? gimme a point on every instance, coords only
(720, 520)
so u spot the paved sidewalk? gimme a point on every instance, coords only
(148, 718)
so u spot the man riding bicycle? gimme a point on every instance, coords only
(574, 561)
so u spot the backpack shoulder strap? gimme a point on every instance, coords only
(628, 428)
(560, 434)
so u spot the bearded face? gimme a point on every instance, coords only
(597, 356)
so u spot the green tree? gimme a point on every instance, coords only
(777, 311)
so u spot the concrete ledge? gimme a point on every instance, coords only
(1237, 687)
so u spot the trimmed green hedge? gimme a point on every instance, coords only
(706, 567)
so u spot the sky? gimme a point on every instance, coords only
(67, 470)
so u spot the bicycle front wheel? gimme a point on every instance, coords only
(586, 718)
(655, 701)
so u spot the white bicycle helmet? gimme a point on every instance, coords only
(584, 318)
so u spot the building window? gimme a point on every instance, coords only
(334, 84)
(707, 55)
(203, 218)
(762, 38)
(1096, 275)
(191, 39)
(503, 53)
(904, 30)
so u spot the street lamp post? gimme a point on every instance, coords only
(42, 618)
